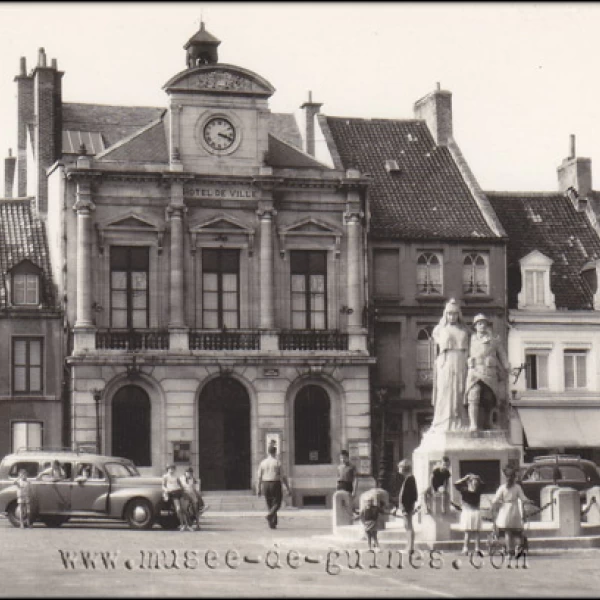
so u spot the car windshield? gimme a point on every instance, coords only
(118, 470)
(133, 469)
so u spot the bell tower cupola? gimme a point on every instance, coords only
(201, 48)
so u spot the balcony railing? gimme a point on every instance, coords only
(313, 340)
(136, 339)
(224, 340)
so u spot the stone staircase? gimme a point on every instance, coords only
(234, 501)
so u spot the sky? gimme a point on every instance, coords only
(523, 76)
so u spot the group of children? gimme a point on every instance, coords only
(505, 505)
(183, 492)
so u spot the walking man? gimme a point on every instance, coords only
(270, 478)
(346, 480)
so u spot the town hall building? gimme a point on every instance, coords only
(212, 276)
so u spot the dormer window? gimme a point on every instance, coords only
(535, 276)
(25, 283)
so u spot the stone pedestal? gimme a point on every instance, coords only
(434, 526)
(483, 453)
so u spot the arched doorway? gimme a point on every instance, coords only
(312, 426)
(224, 435)
(131, 418)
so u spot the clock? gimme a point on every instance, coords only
(219, 134)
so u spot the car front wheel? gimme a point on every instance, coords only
(12, 512)
(139, 514)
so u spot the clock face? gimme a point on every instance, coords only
(219, 133)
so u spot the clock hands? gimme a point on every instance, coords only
(227, 137)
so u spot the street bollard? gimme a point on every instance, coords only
(568, 512)
(342, 509)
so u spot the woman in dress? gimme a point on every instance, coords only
(506, 503)
(452, 338)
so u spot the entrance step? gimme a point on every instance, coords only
(234, 500)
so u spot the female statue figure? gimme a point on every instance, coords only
(452, 338)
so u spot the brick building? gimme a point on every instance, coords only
(553, 258)
(432, 236)
(31, 327)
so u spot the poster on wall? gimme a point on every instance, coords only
(360, 456)
(273, 438)
(181, 452)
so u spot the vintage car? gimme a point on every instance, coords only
(562, 470)
(114, 489)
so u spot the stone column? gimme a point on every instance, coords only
(84, 329)
(353, 269)
(267, 315)
(178, 333)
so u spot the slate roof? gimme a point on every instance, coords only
(113, 122)
(148, 145)
(284, 155)
(23, 236)
(131, 127)
(427, 198)
(549, 223)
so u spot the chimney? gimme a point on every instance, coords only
(575, 172)
(436, 110)
(10, 162)
(47, 87)
(24, 119)
(311, 110)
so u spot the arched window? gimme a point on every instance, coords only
(312, 425)
(475, 274)
(429, 273)
(425, 355)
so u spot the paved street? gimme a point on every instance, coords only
(240, 556)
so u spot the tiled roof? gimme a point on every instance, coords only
(426, 198)
(549, 223)
(113, 122)
(23, 237)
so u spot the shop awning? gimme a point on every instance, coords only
(550, 427)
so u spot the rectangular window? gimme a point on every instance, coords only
(129, 293)
(388, 351)
(575, 369)
(309, 289)
(26, 289)
(26, 434)
(386, 264)
(27, 365)
(220, 288)
(534, 287)
(536, 371)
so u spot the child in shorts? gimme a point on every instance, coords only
(24, 498)
(191, 494)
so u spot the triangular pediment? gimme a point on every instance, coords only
(310, 225)
(219, 79)
(222, 223)
(129, 221)
(536, 258)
